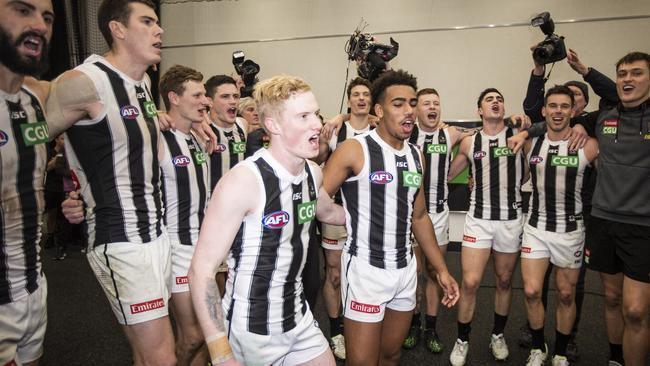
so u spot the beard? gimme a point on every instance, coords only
(24, 65)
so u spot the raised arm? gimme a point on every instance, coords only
(223, 218)
(326, 210)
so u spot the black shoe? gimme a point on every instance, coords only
(60, 257)
(572, 353)
(412, 338)
(525, 337)
(432, 341)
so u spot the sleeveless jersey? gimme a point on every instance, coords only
(556, 175)
(346, 132)
(497, 174)
(23, 139)
(185, 173)
(230, 150)
(379, 202)
(115, 158)
(264, 287)
(436, 147)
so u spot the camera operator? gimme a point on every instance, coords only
(619, 228)
(606, 89)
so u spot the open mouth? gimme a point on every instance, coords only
(627, 88)
(432, 116)
(232, 111)
(495, 108)
(158, 45)
(407, 126)
(33, 45)
(314, 141)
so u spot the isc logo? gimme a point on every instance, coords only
(536, 159)
(479, 155)
(18, 115)
(181, 160)
(275, 220)
(220, 148)
(129, 112)
(567, 161)
(381, 177)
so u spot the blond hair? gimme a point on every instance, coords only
(270, 94)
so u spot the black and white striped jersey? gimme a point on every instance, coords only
(379, 202)
(556, 176)
(230, 150)
(23, 142)
(497, 174)
(115, 157)
(185, 178)
(436, 148)
(346, 132)
(265, 263)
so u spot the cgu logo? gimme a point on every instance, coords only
(181, 160)
(501, 151)
(220, 148)
(536, 159)
(275, 220)
(381, 177)
(479, 155)
(129, 112)
(436, 149)
(566, 161)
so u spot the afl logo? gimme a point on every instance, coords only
(381, 177)
(220, 148)
(275, 220)
(4, 138)
(181, 160)
(536, 159)
(479, 155)
(129, 112)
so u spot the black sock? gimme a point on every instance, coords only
(561, 340)
(415, 321)
(335, 327)
(499, 323)
(463, 331)
(430, 321)
(616, 353)
(538, 339)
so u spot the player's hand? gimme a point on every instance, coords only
(165, 122)
(373, 121)
(520, 121)
(332, 127)
(442, 125)
(575, 63)
(516, 142)
(205, 132)
(73, 208)
(577, 138)
(450, 288)
(470, 183)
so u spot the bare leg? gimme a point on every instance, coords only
(473, 262)
(395, 328)
(362, 342)
(532, 272)
(190, 348)
(152, 342)
(504, 266)
(636, 312)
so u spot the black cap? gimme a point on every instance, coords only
(582, 86)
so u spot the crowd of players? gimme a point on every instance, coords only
(179, 220)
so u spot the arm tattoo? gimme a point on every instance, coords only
(213, 304)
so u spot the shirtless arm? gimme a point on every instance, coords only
(347, 160)
(326, 210)
(461, 161)
(224, 215)
(72, 97)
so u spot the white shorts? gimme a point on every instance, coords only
(367, 290)
(135, 278)
(440, 223)
(502, 236)
(565, 250)
(334, 237)
(22, 327)
(302, 343)
(181, 259)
